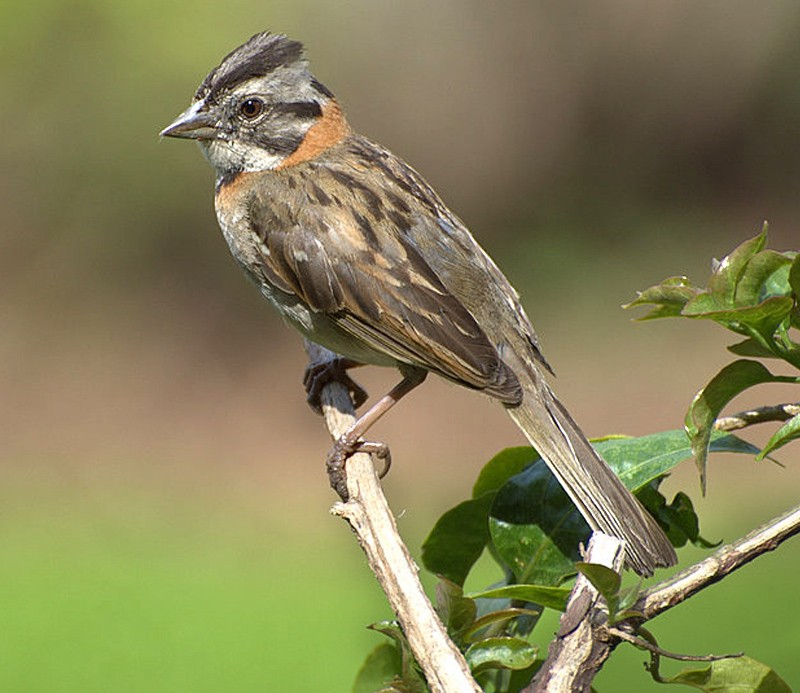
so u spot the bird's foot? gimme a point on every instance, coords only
(346, 447)
(318, 375)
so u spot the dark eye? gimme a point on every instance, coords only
(251, 108)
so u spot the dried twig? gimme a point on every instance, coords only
(584, 641)
(683, 585)
(777, 412)
(369, 516)
(581, 646)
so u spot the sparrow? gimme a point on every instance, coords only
(357, 251)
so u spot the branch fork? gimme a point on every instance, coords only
(584, 640)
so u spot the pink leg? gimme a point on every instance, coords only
(350, 442)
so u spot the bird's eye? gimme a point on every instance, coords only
(251, 108)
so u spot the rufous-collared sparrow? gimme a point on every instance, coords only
(358, 252)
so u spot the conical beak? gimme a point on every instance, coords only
(196, 123)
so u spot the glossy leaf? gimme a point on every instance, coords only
(749, 292)
(456, 611)
(679, 519)
(535, 529)
(500, 617)
(637, 461)
(550, 597)
(458, 539)
(669, 297)
(409, 679)
(765, 275)
(794, 276)
(606, 581)
(500, 653)
(734, 675)
(752, 348)
(788, 432)
(763, 317)
(381, 667)
(709, 402)
(729, 271)
(502, 467)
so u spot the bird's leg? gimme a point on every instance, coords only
(318, 375)
(350, 442)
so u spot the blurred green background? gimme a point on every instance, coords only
(163, 506)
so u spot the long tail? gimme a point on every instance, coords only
(597, 492)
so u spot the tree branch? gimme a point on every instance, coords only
(584, 641)
(688, 582)
(581, 646)
(777, 412)
(372, 521)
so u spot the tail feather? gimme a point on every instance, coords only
(597, 492)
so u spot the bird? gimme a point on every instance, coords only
(359, 253)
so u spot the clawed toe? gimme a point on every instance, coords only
(342, 450)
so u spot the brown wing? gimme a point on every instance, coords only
(372, 280)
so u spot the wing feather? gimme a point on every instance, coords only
(379, 289)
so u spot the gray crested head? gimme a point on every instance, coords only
(259, 56)
(254, 109)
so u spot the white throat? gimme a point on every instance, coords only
(226, 156)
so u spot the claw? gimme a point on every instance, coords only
(318, 375)
(352, 442)
(342, 450)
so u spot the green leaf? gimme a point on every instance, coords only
(669, 297)
(753, 348)
(709, 402)
(679, 519)
(606, 581)
(734, 675)
(729, 271)
(409, 679)
(550, 597)
(638, 461)
(535, 529)
(382, 666)
(749, 290)
(502, 467)
(460, 535)
(765, 276)
(500, 653)
(458, 539)
(501, 618)
(788, 432)
(456, 611)
(763, 317)
(794, 276)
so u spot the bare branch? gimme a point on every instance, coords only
(585, 641)
(683, 585)
(777, 412)
(581, 646)
(369, 516)
(651, 646)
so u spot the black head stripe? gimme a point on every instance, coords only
(259, 56)
(299, 109)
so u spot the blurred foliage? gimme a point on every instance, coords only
(625, 109)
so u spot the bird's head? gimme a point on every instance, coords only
(260, 109)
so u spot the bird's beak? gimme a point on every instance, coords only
(197, 122)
